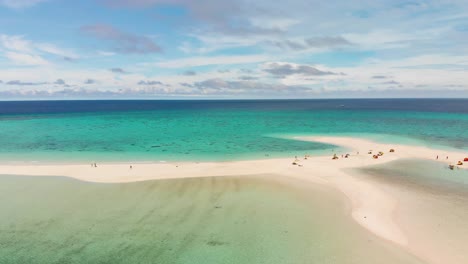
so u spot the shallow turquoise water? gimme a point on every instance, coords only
(219, 130)
(422, 174)
(258, 219)
(159, 135)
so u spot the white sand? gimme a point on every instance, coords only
(372, 207)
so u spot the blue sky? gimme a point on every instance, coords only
(60, 49)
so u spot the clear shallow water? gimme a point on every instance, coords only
(216, 130)
(258, 219)
(423, 175)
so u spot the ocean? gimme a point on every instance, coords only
(87, 131)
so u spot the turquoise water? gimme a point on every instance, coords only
(258, 219)
(155, 131)
(425, 175)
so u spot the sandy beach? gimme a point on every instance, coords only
(372, 206)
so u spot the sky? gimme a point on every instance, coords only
(237, 49)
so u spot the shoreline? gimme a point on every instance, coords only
(371, 207)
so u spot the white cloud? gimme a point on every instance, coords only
(209, 42)
(25, 59)
(25, 52)
(417, 73)
(282, 24)
(382, 39)
(15, 43)
(105, 53)
(52, 49)
(423, 61)
(215, 60)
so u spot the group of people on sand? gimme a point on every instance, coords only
(375, 156)
(296, 160)
(94, 165)
(335, 156)
(459, 163)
